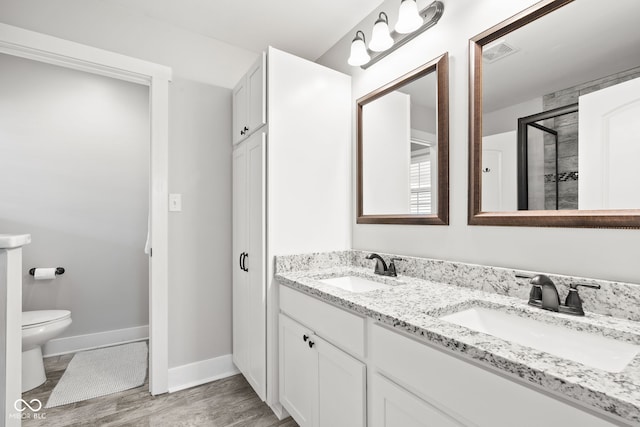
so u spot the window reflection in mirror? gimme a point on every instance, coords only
(403, 149)
(561, 109)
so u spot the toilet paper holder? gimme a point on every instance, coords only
(59, 271)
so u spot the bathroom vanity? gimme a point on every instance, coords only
(397, 353)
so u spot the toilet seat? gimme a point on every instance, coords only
(39, 318)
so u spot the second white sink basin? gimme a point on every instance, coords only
(354, 284)
(589, 349)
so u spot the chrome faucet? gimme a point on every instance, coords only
(549, 298)
(544, 294)
(381, 266)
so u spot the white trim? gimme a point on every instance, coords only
(279, 411)
(77, 343)
(40, 47)
(204, 371)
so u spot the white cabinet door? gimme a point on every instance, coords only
(240, 114)
(256, 95)
(239, 276)
(341, 387)
(249, 101)
(249, 267)
(393, 406)
(298, 372)
(255, 264)
(320, 385)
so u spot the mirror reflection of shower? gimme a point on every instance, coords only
(548, 160)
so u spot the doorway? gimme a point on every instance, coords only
(27, 44)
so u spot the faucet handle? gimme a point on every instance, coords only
(573, 300)
(574, 286)
(392, 266)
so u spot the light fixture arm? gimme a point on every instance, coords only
(384, 19)
(434, 12)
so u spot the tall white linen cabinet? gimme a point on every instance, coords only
(291, 193)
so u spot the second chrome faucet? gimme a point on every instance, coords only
(381, 266)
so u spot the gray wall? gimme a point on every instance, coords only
(74, 173)
(200, 235)
(605, 254)
(195, 292)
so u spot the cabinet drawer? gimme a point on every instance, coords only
(340, 327)
(468, 392)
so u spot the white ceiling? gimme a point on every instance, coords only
(304, 28)
(580, 42)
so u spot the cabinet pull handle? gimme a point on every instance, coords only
(305, 338)
(311, 344)
(246, 129)
(244, 267)
(240, 260)
(241, 132)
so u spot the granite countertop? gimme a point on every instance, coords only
(415, 305)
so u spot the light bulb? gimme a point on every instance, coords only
(380, 38)
(409, 18)
(359, 55)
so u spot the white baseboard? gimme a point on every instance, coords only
(201, 372)
(76, 343)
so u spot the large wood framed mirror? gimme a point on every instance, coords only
(555, 117)
(403, 149)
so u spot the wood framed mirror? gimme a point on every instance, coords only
(554, 135)
(403, 149)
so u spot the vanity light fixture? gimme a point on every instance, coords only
(411, 23)
(380, 38)
(359, 54)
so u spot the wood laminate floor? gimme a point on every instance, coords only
(227, 402)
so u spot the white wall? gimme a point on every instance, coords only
(74, 173)
(423, 118)
(605, 254)
(194, 236)
(506, 119)
(200, 235)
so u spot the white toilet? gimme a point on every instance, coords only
(38, 327)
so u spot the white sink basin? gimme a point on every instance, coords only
(582, 347)
(354, 284)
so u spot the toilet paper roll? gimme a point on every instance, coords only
(44, 273)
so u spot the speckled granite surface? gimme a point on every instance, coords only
(428, 289)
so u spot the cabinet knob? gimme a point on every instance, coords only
(241, 132)
(305, 338)
(311, 344)
(246, 129)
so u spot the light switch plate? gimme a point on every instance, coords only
(175, 202)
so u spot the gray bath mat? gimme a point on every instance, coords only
(100, 372)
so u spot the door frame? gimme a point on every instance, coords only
(44, 48)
